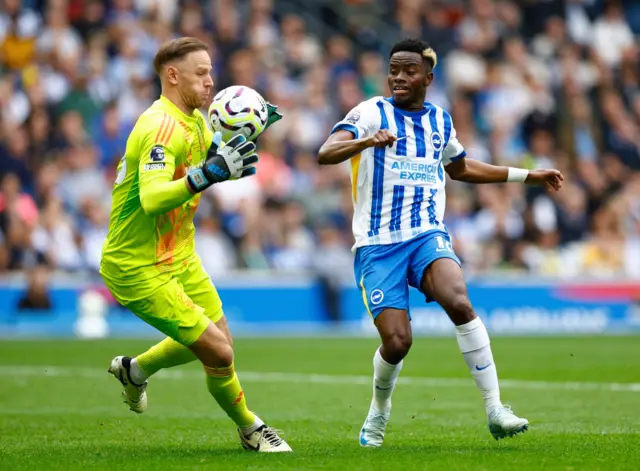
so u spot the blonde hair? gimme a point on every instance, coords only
(416, 46)
(431, 56)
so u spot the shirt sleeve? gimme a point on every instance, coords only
(361, 121)
(161, 152)
(454, 150)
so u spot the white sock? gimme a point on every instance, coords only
(385, 376)
(257, 423)
(135, 372)
(474, 344)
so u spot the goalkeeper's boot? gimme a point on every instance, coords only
(372, 433)
(504, 423)
(264, 440)
(135, 395)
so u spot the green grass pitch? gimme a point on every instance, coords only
(581, 396)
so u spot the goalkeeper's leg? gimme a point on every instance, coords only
(196, 283)
(169, 309)
(167, 354)
(133, 373)
(214, 350)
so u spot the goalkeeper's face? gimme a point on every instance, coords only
(193, 79)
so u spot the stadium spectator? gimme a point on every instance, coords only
(529, 83)
(19, 28)
(55, 239)
(36, 297)
(18, 218)
(14, 158)
(332, 264)
(92, 231)
(612, 35)
(216, 244)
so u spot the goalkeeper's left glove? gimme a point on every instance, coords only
(273, 115)
(237, 159)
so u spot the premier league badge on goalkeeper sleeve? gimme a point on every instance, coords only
(157, 154)
(156, 157)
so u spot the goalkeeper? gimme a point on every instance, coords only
(149, 261)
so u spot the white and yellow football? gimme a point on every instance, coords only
(238, 110)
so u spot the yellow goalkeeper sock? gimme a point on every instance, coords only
(165, 354)
(224, 386)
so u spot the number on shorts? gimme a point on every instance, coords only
(444, 244)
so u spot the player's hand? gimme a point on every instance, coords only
(273, 115)
(236, 159)
(550, 179)
(382, 138)
(239, 156)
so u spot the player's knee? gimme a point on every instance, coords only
(224, 354)
(396, 346)
(459, 308)
(213, 350)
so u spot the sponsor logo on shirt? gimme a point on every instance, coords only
(413, 171)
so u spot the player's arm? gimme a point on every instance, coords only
(358, 131)
(159, 153)
(160, 193)
(474, 171)
(160, 196)
(342, 145)
(463, 169)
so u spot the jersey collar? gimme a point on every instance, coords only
(425, 109)
(165, 101)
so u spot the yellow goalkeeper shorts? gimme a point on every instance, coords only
(180, 305)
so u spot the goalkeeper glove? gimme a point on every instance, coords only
(273, 115)
(235, 160)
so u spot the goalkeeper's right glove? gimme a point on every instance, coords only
(236, 159)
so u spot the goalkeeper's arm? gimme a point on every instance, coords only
(159, 197)
(160, 194)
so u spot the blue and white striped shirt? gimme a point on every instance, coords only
(398, 192)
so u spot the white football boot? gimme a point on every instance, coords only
(264, 440)
(135, 396)
(504, 423)
(372, 433)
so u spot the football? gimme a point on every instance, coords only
(238, 110)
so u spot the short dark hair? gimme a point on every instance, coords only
(176, 49)
(419, 47)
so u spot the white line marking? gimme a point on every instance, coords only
(16, 371)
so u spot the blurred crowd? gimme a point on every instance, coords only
(544, 83)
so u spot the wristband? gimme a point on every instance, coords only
(517, 175)
(201, 178)
(198, 180)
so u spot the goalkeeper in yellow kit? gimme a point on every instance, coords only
(149, 262)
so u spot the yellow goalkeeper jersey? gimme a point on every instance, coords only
(151, 228)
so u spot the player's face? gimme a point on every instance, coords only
(193, 77)
(408, 79)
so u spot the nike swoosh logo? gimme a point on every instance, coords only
(385, 389)
(363, 441)
(480, 368)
